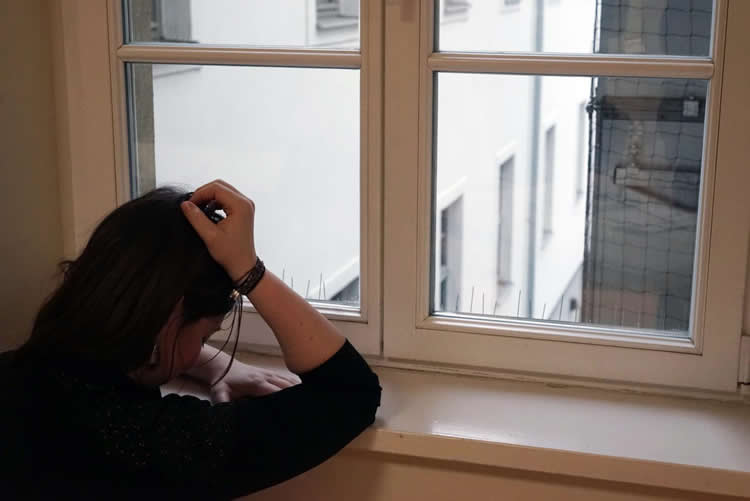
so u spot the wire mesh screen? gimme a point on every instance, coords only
(643, 201)
(644, 178)
(671, 27)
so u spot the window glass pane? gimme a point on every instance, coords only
(569, 199)
(282, 23)
(286, 137)
(664, 27)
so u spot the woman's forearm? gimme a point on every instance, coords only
(306, 337)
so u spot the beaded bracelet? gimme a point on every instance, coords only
(249, 280)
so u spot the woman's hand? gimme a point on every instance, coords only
(230, 242)
(246, 380)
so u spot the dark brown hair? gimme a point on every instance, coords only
(117, 295)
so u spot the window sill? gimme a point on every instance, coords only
(693, 445)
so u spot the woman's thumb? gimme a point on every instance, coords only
(198, 220)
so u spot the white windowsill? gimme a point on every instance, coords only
(694, 445)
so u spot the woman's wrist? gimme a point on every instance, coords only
(242, 267)
(250, 280)
(209, 366)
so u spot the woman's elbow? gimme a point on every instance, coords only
(370, 398)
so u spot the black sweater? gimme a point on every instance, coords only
(74, 428)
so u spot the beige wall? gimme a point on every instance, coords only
(31, 242)
(378, 477)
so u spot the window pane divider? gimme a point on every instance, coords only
(576, 65)
(181, 54)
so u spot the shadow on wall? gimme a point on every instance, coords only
(348, 476)
(364, 476)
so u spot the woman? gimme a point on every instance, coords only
(156, 279)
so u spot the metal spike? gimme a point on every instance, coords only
(482, 303)
(320, 287)
(307, 291)
(283, 274)
(292, 282)
(324, 290)
(518, 308)
(562, 300)
(494, 311)
(471, 302)
(458, 296)
(544, 310)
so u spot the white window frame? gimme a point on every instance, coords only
(396, 138)
(708, 362)
(93, 120)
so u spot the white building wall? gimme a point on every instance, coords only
(484, 119)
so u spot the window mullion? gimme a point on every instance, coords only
(540, 64)
(182, 54)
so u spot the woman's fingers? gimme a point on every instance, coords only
(230, 241)
(228, 199)
(279, 381)
(205, 228)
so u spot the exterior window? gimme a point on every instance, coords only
(337, 14)
(170, 21)
(451, 229)
(548, 201)
(349, 294)
(452, 7)
(505, 228)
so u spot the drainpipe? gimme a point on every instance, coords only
(536, 97)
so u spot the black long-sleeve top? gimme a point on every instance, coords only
(78, 428)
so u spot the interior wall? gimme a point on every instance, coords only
(31, 244)
(381, 477)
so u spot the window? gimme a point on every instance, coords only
(337, 14)
(449, 271)
(451, 7)
(548, 202)
(313, 24)
(615, 278)
(289, 128)
(170, 21)
(387, 202)
(504, 231)
(349, 294)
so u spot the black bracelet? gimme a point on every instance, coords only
(249, 280)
